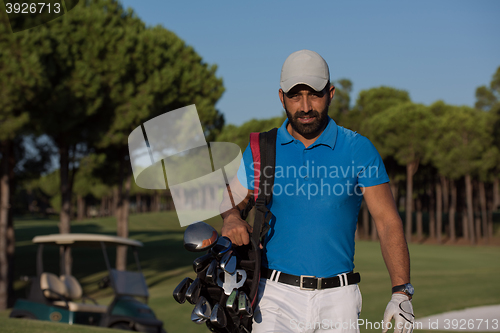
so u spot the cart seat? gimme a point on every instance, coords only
(73, 287)
(55, 289)
(52, 287)
(82, 307)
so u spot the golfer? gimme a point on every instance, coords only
(323, 171)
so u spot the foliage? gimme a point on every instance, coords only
(459, 141)
(241, 134)
(401, 131)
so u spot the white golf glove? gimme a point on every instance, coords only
(401, 310)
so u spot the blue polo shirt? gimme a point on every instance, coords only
(316, 199)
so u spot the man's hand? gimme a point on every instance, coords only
(236, 229)
(401, 309)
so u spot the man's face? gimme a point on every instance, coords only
(307, 109)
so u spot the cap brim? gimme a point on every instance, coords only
(314, 82)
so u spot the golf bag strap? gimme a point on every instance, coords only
(263, 146)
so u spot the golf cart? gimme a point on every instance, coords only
(56, 299)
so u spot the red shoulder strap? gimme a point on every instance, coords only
(255, 147)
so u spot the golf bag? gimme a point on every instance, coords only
(263, 146)
(229, 296)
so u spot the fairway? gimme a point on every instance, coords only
(445, 277)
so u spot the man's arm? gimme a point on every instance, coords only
(395, 252)
(234, 227)
(383, 209)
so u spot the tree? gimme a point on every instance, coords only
(402, 131)
(341, 103)
(162, 74)
(80, 52)
(20, 80)
(462, 138)
(240, 134)
(488, 99)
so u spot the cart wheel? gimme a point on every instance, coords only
(122, 326)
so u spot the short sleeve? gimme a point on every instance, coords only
(245, 172)
(371, 169)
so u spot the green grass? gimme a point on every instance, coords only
(445, 277)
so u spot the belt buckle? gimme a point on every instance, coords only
(318, 285)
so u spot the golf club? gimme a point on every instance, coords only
(232, 303)
(200, 237)
(193, 292)
(200, 263)
(223, 245)
(211, 276)
(203, 308)
(180, 291)
(196, 319)
(244, 305)
(228, 262)
(218, 317)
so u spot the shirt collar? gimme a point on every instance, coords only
(328, 137)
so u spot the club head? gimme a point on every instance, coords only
(200, 263)
(193, 292)
(200, 237)
(197, 319)
(223, 245)
(232, 303)
(228, 262)
(218, 317)
(202, 308)
(244, 305)
(211, 276)
(180, 291)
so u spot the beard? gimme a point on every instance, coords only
(311, 129)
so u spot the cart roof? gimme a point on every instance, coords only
(69, 239)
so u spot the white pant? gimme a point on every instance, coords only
(285, 308)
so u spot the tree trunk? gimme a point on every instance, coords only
(439, 212)
(410, 171)
(65, 215)
(123, 212)
(446, 194)
(496, 194)
(432, 213)
(452, 211)
(470, 210)
(4, 216)
(418, 202)
(11, 247)
(465, 226)
(475, 209)
(490, 221)
(366, 221)
(484, 210)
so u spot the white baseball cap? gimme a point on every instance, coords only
(304, 67)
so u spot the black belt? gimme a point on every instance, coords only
(307, 282)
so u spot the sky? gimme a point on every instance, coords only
(435, 50)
